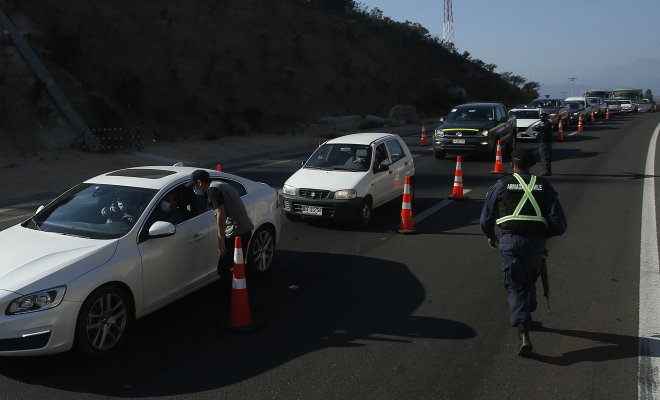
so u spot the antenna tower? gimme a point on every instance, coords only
(448, 25)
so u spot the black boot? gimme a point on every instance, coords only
(525, 348)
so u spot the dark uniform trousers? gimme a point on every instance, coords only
(522, 255)
(545, 154)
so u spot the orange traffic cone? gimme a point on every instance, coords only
(218, 167)
(406, 226)
(499, 167)
(239, 318)
(422, 140)
(593, 118)
(457, 193)
(561, 132)
(580, 124)
(607, 114)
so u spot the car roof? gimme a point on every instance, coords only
(361, 138)
(479, 104)
(151, 177)
(526, 109)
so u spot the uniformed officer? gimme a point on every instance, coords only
(544, 136)
(527, 211)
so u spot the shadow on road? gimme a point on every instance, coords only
(308, 302)
(609, 346)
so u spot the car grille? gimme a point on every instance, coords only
(314, 193)
(461, 133)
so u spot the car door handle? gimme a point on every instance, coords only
(197, 237)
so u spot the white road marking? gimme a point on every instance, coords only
(649, 286)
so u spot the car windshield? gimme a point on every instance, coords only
(624, 102)
(574, 106)
(543, 103)
(525, 114)
(93, 211)
(341, 156)
(471, 114)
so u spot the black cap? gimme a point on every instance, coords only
(199, 175)
(523, 158)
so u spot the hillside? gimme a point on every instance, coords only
(223, 67)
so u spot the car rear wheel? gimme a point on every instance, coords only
(261, 251)
(366, 210)
(103, 321)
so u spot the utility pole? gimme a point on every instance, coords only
(572, 79)
(448, 25)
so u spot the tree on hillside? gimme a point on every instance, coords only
(531, 90)
(513, 79)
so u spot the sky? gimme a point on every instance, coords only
(602, 43)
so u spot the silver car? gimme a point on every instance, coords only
(114, 249)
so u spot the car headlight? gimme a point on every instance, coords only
(37, 301)
(288, 189)
(345, 194)
(484, 133)
(439, 133)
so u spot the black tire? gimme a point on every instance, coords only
(293, 217)
(104, 321)
(439, 154)
(261, 250)
(365, 212)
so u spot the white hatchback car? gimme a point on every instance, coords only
(108, 251)
(346, 177)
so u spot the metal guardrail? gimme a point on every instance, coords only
(114, 139)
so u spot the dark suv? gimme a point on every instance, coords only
(474, 128)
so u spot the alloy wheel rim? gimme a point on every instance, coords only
(263, 251)
(106, 321)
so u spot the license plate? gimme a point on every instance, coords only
(458, 141)
(309, 210)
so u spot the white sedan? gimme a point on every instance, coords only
(348, 176)
(113, 249)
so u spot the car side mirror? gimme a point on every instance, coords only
(161, 229)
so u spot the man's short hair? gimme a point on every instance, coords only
(523, 158)
(200, 175)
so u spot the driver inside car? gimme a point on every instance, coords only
(117, 211)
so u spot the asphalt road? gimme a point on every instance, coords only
(370, 313)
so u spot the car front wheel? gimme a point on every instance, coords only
(364, 216)
(261, 251)
(104, 320)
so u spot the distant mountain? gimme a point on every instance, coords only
(643, 73)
